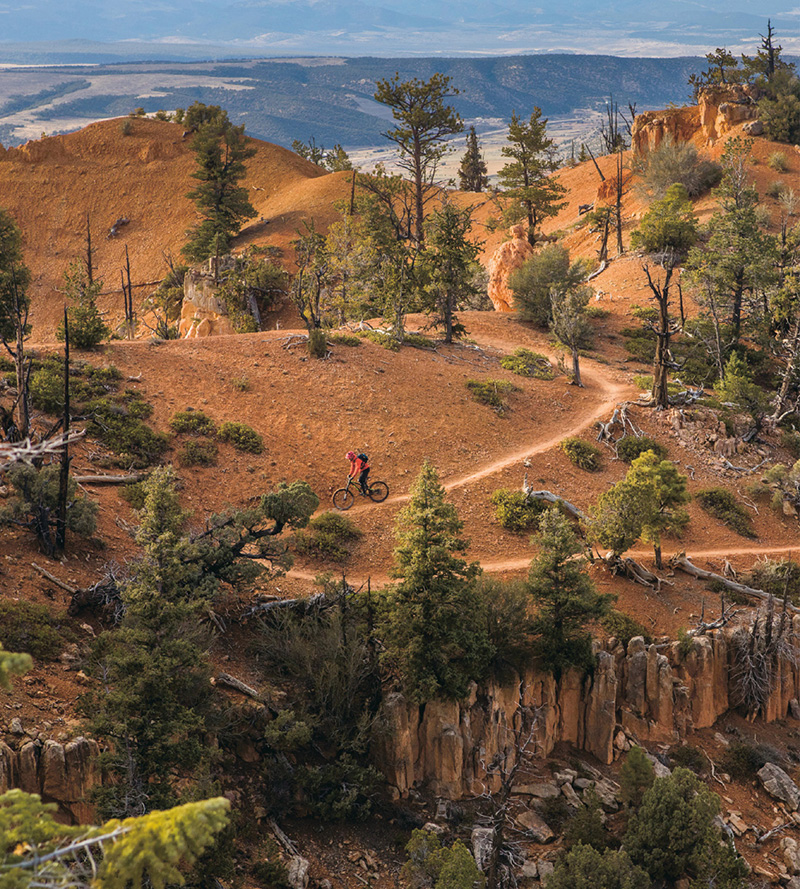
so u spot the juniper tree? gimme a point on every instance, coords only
(84, 319)
(472, 172)
(564, 597)
(531, 192)
(423, 121)
(222, 202)
(433, 626)
(548, 270)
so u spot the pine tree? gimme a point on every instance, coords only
(434, 628)
(472, 172)
(635, 777)
(585, 868)
(448, 265)
(570, 323)
(423, 122)
(668, 224)
(223, 204)
(533, 194)
(86, 326)
(564, 596)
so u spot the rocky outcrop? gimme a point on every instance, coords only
(642, 693)
(202, 312)
(719, 110)
(61, 773)
(779, 786)
(508, 257)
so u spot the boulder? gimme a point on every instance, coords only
(508, 257)
(753, 128)
(791, 854)
(546, 869)
(529, 870)
(779, 785)
(608, 792)
(535, 826)
(540, 791)
(571, 797)
(482, 841)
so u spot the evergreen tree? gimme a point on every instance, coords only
(448, 265)
(151, 850)
(423, 122)
(564, 597)
(547, 270)
(86, 326)
(12, 664)
(673, 834)
(223, 204)
(635, 778)
(434, 628)
(156, 701)
(585, 868)
(570, 323)
(472, 172)
(619, 516)
(668, 225)
(532, 193)
(665, 489)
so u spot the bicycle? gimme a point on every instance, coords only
(344, 498)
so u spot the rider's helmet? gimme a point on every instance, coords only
(351, 455)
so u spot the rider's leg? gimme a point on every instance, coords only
(362, 480)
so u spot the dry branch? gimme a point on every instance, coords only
(550, 497)
(109, 479)
(680, 562)
(26, 451)
(238, 685)
(53, 579)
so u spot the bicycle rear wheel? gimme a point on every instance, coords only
(343, 498)
(378, 491)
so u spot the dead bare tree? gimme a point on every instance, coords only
(504, 853)
(756, 656)
(665, 327)
(63, 479)
(127, 296)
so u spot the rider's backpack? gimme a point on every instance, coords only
(363, 457)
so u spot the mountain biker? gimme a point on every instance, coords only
(359, 467)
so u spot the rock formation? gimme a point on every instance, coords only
(719, 110)
(60, 773)
(508, 257)
(642, 693)
(202, 313)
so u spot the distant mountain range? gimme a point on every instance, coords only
(170, 29)
(329, 99)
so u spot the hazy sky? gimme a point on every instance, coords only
(391, 27)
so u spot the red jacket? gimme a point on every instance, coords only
(357, 466)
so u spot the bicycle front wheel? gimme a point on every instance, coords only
(378, 491)
(343, 498)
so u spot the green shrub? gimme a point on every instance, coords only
(781, 118)
(198, 453)
(491, 393)
(241, 384)
(343, 339)
(583, 867)
(741, 760)
(668, 224)
(688, 757)
(527, 363)
(790, 439)
(329, 536)
(126, 127)
(270, 872)
(678, 162)
(135, 443)
(777, 161)
(779, 577)
(417, 341)
(583, 454)
(640, 343)
(192, 422)
(30, 628)
(317, 343)
(723, 505)
(629, 447)
(515, 511)
(775, 189)
(134, 494)
(382, 339)
(596, 312)
(624, 627)
(587, 827)
(685, 643)
(555, 812)
(635, 777)
(241, 436)
(343, 790)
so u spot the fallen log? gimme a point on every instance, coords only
(317, 602)
(550, 497)
(237, 685)
(72, 590)
(681, 563)
(129, 479)
(634, 571)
